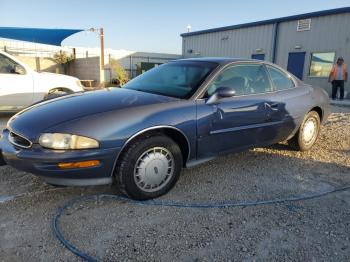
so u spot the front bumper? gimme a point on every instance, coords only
(43, 162)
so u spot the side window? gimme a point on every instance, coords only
(7, 66)
(280, 80)
(245, 79)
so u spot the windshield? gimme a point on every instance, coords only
(176, 79)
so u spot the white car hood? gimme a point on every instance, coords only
(59, 80)
(58, 76)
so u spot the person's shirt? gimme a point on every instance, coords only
(339, 75)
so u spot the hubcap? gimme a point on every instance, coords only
(309, 130)
(153, 169)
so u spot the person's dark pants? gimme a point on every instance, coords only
(335, 85)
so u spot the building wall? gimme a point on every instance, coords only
(232, 43)
(89, 68)
(130, 62)
(86, 69)
(82, 68)
(328, 34)
(86, 66)
(41, 64)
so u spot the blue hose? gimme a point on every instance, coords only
(58, 233)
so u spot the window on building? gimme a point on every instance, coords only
(280, 80)
(321, 64)
(304, 25)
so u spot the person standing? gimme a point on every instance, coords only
(338, 76)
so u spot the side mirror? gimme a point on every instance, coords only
(221, 92)
(19, 70)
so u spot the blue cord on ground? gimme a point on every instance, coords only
(59, 235)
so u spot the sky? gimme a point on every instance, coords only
(148, 25)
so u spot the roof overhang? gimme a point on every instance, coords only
(272, 21)
(37, 35)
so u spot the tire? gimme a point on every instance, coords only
(303, 140)
(149, 167)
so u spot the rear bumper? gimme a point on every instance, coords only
(43, 162)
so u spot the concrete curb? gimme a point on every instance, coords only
(345, 103)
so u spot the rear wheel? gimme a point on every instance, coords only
(308, 132)
(149, 167)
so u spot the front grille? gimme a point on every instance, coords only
(19, 140)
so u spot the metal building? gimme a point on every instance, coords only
(306, 45)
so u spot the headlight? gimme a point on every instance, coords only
(66, 141)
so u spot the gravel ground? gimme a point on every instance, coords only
(312, 230)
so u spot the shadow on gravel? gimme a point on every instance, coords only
(112, 230)
(255, 174)
(281, 147)
(258, 174)
(122, 230)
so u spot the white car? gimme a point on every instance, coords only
(21, 86)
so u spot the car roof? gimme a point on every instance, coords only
(219, 60)
(222, 61)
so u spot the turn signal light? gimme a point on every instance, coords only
(82, 164)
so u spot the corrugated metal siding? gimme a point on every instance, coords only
(238, 43)
(328, 34)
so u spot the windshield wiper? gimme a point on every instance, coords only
(150, 92)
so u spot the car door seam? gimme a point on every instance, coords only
(219, 131)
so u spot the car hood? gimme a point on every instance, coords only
(50, 76)
(34, 120)
(58, 80)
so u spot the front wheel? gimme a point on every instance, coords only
(149, 167)
(308, 132)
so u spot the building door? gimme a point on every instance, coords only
(296, 63)
(258, 56)
(145, 66)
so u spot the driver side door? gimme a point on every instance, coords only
(16, 85)
(245, 120)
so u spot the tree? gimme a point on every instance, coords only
(121, 75)
(62, 58)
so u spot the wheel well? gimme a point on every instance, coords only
(179, 139)
(319, 112)
(176, 135)
(62, 89)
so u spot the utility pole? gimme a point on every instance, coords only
(102, 54)
(102, 58)
(102, 49)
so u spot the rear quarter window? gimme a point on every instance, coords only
(280, 80)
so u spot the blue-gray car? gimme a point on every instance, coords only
(177, 115)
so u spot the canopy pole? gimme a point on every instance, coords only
(102, 59)
(102, 49)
